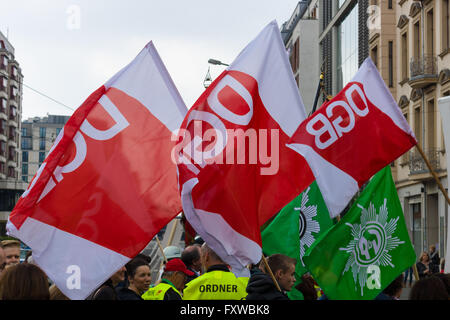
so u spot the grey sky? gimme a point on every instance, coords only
(68, 63)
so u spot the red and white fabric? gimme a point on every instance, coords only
(227, 202)
(353, 136)
(108, 184)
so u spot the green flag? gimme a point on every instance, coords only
(296, 228)
(361, 255)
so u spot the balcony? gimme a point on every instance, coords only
(419, 169)
(424, 71)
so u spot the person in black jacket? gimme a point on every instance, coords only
(261, 285)
(106, 290)
(139, 277)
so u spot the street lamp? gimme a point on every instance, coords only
(208, 79)
(217, 62)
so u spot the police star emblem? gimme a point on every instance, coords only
(307, 225)
(371, 244)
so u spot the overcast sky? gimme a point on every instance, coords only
(67, 49)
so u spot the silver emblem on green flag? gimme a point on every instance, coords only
(296, 227)
(370, 246)
(307, 225)
(372, 241)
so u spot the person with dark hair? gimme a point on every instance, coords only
(191, 258)
(429, 288)
(445, 278)
(217, 283)
(434, 259)
(24, 282)
(172, 282)
(139, 278)
(261, 285)
(393, 291)
(107, 290)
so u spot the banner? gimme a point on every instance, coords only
(369, 247)
(296, 228)
(352, 137)
(235, 171)
(108, 184)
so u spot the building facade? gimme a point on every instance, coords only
(300, 34)
(11, 185)
(423, 76)
(38, 135)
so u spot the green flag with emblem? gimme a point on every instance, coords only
(369, 247)
(295, 229)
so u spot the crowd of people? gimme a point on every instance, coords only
(198, 273)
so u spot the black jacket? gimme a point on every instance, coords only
(261, 287)
(127, 294)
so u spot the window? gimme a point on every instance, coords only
(3, 105)
(374, 55)
(24, 132)
(2, 167)
(2, 126)
(417, 39)
(13, 92)
(42, 144)
(12, 133)
(12, 112)
(12, 153)
(25, 168)
(42, 131)
(445, 25)
(3, 84)
(418, 124)
(389, 4)
(24, 156)
(26, 143)
(2, 148)
(14, 72)
(11, 172)
(41, 157)
(430, 33)
(3, 62)
(347, 56)
(404, 53)
(25, 178)
(391, 64)
(294, 58)
(417, 227)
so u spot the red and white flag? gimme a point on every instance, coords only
(352, 137)
(235, 171)
(108, 184)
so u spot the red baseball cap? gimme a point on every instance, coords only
(177, 265)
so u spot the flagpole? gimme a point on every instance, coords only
(416, 273)
(271, 273)
(161, 248)
(433, 173)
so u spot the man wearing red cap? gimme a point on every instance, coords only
(172, 282)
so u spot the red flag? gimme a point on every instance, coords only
(352, 137)
(108, 184)
(235, 171)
